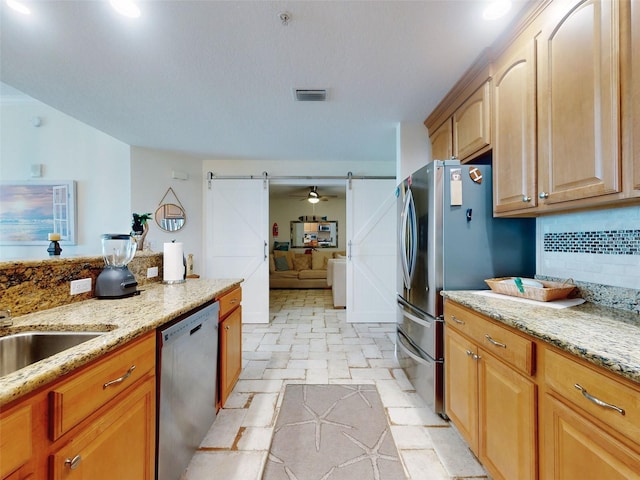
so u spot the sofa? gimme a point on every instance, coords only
(291, 269)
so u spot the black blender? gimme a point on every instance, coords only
(116, 280)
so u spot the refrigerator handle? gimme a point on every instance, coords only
(408, 239)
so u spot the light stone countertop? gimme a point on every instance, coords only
(607, 337)
(121, 319)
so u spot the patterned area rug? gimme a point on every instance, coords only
(332, 432)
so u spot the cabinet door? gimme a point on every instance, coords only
(576, 448)
(579, 101)
(442, 142)
(16, 443)
(507, 419)
(635, 94)
(461, 385)
(230, 353)
(514, 120)
(119, 444)
(472, 124)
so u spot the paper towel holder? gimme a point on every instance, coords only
(169, 216)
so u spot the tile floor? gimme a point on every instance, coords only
(308, 341)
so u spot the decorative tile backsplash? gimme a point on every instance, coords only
(599, 247)
(605, 242)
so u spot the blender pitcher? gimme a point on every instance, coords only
(116, 280)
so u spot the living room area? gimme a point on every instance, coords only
(307, 240)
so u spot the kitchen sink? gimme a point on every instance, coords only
(19, 350)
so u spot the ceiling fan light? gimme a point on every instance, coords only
(313, 199)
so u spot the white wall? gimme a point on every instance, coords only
(301, 168)
(601, 246)
(68, 150)
(413, 148)
(151, 177)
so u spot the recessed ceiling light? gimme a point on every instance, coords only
(126, 7)
(496, 9)
(18, 7)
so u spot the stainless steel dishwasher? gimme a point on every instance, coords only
(186, 388)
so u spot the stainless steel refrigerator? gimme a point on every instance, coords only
(448, 240)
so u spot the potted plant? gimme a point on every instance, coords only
(140, 227)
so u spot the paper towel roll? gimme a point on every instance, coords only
(173, 259)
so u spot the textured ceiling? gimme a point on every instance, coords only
(215, 79)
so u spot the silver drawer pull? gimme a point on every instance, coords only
(597, 401)
(460, 322)
(469, 353)
(497, 344)
(120, 379)
(73, 463)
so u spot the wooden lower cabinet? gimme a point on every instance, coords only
(575, 447)
(16, 443)
(507, 415)
(65, 430)
(229, 343)
(492, 406)
(230, 353)
(119, 444)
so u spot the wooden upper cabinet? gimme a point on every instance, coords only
(442, 142)
(579, 101)
(633, 54)
(472, 124)
(514, 128)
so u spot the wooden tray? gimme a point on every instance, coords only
(550, 291)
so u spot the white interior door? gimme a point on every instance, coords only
(237, 222)
(371, 251)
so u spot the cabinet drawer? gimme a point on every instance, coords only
(510, 347)
(85, 392)
(229, 301)
(562, 374)
(15, 439)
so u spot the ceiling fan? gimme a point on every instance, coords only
(313, 196)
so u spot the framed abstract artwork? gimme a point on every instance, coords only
(31, 210)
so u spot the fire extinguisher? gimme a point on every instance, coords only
(275, 229)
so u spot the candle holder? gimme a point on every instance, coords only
(54, 248)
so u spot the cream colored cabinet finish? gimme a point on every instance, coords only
(442, 142)
(583, 439)
(579, 101)
(488, 399)
(472, 124)
(514, 131)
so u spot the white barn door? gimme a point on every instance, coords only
(371, 251)
(235, 246)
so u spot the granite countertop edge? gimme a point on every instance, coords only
(122, 320)
(604, 336)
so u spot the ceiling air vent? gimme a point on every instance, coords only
(308, 95)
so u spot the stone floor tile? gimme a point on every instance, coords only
(411, 437)
(454, 454)
(255, 438)
(372, 373)
(230, 465)
(415, 416)
(423, 465)
(224, 430)
(284, 373)
(261, 411)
